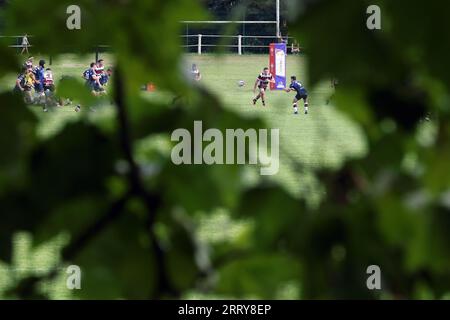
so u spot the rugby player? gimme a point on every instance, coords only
(99, 69)
(262, 82)
(20, 81)
(92, 79)
(29, 62)
(49, 89)
(39, 81)
(302, 94)
(104, 79)
(28, 84)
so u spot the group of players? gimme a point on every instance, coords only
(37, 86)
(40, 79)
(97, 77)
(265, 78)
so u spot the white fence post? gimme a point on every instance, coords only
(199, 44)
(240, 44)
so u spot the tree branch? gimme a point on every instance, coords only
(26, 289)
(151, 201)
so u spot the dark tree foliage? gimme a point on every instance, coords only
(130, 222)
(221, 9)
(241, 10)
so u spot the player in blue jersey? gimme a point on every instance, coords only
(302, 94)
(92, 80)
(39, 75)
(104, 79)
(88, 75)
(39, 84)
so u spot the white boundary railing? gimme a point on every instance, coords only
(230, 21)
(18, 41)
(199, 45)
(238, 44)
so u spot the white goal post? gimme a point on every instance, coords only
(239, 37)
(276, 21)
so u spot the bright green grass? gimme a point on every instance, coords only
(322, 139)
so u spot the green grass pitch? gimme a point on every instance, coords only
(324, 138)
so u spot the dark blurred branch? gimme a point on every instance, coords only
(71, 251)
(152, 202)
(26, 289)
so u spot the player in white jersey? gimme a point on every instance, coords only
(49, 83)
(49, 89)
(99, 67)
(262, 82)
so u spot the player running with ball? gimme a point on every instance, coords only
(301, 94)
(262, 82)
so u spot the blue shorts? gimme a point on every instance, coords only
(104, 79)
(299, 97)
(92, 85)
(38, 87)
